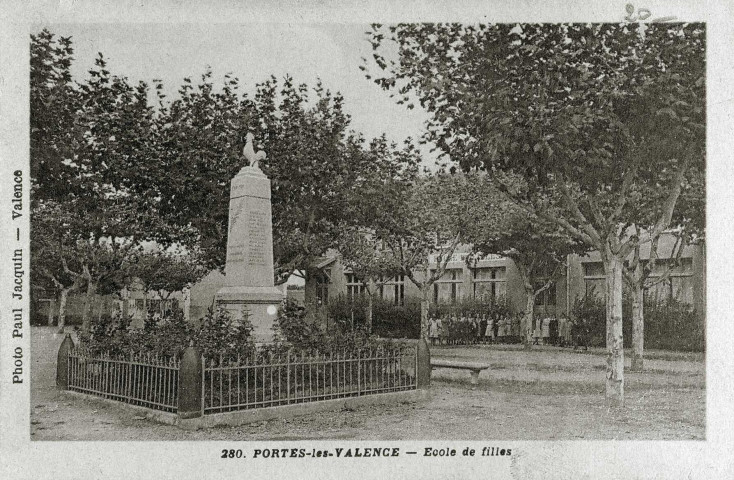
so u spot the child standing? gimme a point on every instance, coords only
(546, 330)
(490, 330)
(433, 330)
(443, 331)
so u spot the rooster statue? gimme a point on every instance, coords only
(249, 152)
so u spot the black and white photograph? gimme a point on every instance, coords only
(405, 244)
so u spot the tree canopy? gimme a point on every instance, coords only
(127, 165)
(609, 115)
(605, 122)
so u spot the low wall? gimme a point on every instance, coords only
(242, 417)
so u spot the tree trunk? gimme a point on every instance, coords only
(638, 327)
(62, 308)
(425, 291)
(100, 306)
(369, 314)
(88, 306)
(51, 308)
(615, 344)
(309, 290)
(527, 320)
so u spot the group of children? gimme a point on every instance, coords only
(472, 329)
(484, 329)
(552, 331)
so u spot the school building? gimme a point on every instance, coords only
(497, 278)
(492, 278)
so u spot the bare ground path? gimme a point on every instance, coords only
(544, 394)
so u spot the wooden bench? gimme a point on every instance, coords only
(473, 367)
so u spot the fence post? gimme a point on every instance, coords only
(62, 363)
(423, 365)
(190, 400)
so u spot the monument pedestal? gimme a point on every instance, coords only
(260, 304)
(249, 277)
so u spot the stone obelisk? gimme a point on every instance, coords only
(249, 279)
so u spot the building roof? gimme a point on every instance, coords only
(323, 262)
(665, 249)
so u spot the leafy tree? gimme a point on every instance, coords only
(127, 172)
(640, 276)
(365, 256)
(54, 107)
(198, 150)
(89, 155)
(50, 244)
(538, 248)
(362, 250)
(604, 121)
(428, 222)
(164, 272)
(315, 164)
(103, 260)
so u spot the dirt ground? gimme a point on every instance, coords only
(545, 394)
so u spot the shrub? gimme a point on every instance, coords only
(403, 321)
(388, 320)
(589, 318)
(347, 314)
(470, 307)
(669, 323)
(109, 334)
(674, 325)
(292, 329)
(221, 335)
(167, 336)
(397, 321)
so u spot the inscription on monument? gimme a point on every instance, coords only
(234, 213)
(236, 253)
(257, 225)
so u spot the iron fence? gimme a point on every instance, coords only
(137, 379)
(262, 379)
(267, 380)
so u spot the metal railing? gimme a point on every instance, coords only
(192, 385)
(143, 380)
(267, 380)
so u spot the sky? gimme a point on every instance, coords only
(251, 52)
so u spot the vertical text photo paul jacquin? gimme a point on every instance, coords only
(406, 231)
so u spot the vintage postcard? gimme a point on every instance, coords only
(310, 239)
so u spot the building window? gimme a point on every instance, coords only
(322, 289)
(355, 288)
(490, 284)
(393, 290)
(594, 279)
(548, 296)
(447, 289)
(679, 285)
(399, 290)
(154, 306)
(170, 305)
